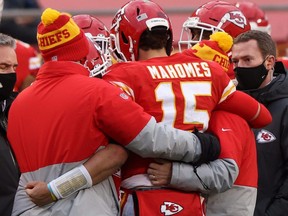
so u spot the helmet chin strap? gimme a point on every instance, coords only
(131, 49)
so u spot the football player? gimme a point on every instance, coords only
(180, 90)
(211, 17)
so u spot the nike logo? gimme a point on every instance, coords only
(226, 129)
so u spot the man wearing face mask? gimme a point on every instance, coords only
(8, 167)
(259, 75)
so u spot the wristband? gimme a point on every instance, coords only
(54, 198)
(70, 182)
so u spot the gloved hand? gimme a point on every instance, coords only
(210, 147)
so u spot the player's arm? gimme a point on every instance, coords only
(216, 176)
(125, 121)
(157, 140)
(240, 103)
(101, 165)
(151, 139)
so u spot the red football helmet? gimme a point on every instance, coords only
(130, 22)
(97, 32)
(95, 62)
(255, 16)
(211, 17)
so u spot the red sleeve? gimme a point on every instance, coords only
(230, 135)
(237, 143)
(240, 103)
(118, 116)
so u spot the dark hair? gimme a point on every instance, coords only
(264, 41)
(155, 39)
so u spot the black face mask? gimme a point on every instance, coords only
(250, 78)
(7, 82)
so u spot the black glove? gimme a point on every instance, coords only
(210, 147)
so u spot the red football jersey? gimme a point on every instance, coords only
(180, 90)
(180, 94)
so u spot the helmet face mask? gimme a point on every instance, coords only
(94, 61)
(212, 17)
(98, 34)
(130, 22)
(115, 49)
(104, 44)
(121, 44)
(194, 31)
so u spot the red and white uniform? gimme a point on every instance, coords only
(29, 62)
(180, 94)
(63, 118)
(180, 91)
